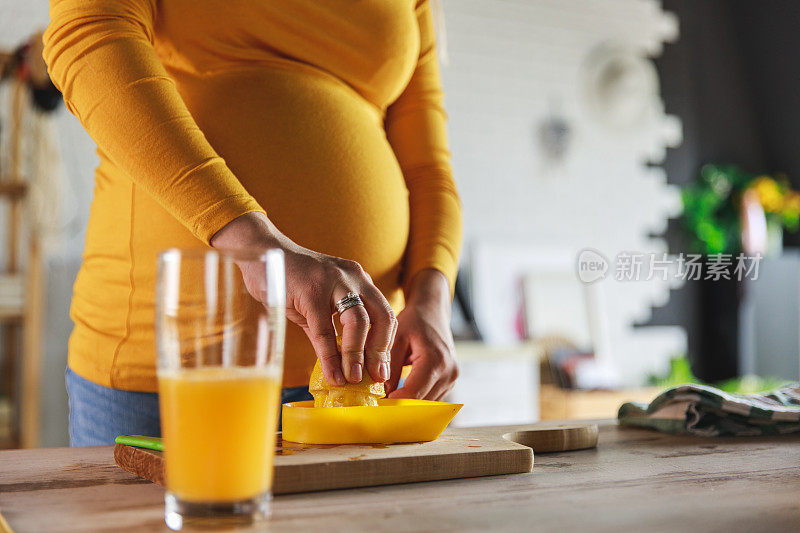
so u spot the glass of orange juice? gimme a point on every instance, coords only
(220, 327)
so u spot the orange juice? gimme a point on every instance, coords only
(218, 427)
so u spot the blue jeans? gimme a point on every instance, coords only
(98, 414)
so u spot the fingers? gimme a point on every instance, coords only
(400, 350)
(367, 330)
(355, 325)
(443, 386)
(322, 335)
(433, 372)
(380, 336)
(422, 378)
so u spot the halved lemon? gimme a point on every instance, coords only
(365, 393)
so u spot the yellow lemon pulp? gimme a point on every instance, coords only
(365, 393)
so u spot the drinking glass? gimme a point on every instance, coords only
(220, 337)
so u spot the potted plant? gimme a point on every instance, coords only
(731, 211)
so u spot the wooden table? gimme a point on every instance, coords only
(635, 480)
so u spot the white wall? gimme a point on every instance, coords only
(511, 65)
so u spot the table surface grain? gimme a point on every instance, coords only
(635, 480)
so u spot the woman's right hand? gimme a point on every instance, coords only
(314, 283)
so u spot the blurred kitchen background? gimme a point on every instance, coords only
(575, 125)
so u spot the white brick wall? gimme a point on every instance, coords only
(512, 64)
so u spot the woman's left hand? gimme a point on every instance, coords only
(424, 340)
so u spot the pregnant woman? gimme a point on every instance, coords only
(316, 127)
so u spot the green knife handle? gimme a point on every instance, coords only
(151, 443)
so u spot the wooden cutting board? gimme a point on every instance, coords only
(458, 453)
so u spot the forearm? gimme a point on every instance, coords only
(415, 127)
(435, 231)
(430, 287)
(248, 231)
(100, 55)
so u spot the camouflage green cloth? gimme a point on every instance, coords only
(710, 412)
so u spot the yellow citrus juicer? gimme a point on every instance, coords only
(357, 414)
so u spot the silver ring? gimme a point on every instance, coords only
(351, 300)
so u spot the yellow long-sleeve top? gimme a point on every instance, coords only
(326, 115)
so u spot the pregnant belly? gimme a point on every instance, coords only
(315, 156)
